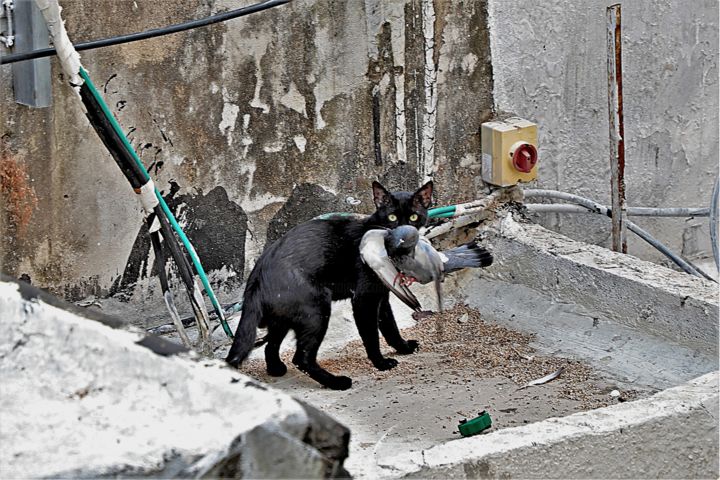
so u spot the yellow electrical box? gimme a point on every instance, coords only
(509, 151)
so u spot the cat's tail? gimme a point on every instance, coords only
(470, 255)
(246, 331)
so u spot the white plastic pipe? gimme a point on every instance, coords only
(69, 57)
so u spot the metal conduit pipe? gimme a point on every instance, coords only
(557, 208)
(603, 210)
(633, 211)
(668, 212)
(714, 222)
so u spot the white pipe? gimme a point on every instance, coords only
(471, 215)
(69, 57)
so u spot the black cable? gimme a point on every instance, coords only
(155, 32)
(111, 139)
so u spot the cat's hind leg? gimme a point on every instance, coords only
(310, 327)
(276, 333)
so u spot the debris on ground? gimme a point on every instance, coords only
(477, 425)
(471, 348)
(547, 378)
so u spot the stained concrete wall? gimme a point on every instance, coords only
(549, 64)
(254, 125)
(248, 127)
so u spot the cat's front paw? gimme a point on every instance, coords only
(411, 346)
(385, 364)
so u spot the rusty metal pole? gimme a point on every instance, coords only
(617, 131)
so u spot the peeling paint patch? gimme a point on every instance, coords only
(400, 123)
(261, 201)
(470, 161)
(328, 189)
(469, 62)
(300, 142)
(274, 147)
(294, 100)
(257, 102)
(246, 139)
(229, 117)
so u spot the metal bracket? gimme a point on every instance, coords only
(8, 34)
(31, 78)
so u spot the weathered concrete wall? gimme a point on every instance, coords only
(549, 64)
(262, 121)
(254, 125)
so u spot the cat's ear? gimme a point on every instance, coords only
(423, 196)
(380, 195)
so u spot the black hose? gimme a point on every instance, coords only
(111, 139)
(155, 32)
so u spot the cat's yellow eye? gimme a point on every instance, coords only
(413, 217)
(392, 217)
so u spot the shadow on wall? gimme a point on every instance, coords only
(216, 227)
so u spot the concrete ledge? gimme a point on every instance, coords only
(639, 294)
(673, 434)
(82, 399)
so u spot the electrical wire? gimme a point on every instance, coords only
(166, 210)
(155, 32)
(631, 211)
(603, 210)
(714, 223)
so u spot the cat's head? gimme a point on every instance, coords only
(401, 208)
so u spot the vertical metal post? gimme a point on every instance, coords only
(617, 131)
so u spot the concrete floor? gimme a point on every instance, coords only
(399, 416)
(416, 406)
(412, 411)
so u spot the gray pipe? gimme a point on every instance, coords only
(668, 212)
(631, 211)
(603, 210)
(714, 222)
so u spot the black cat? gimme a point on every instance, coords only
(296, 279)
